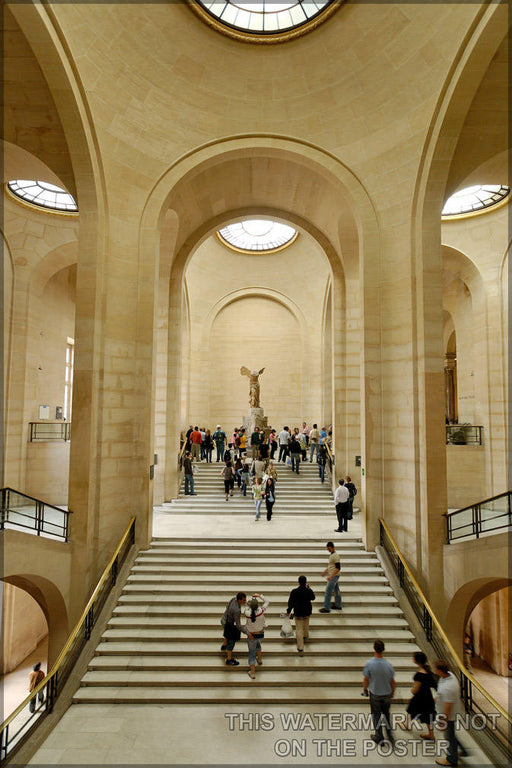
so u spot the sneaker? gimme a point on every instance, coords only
(337, 530)
(232, 663)
(335, 608)
(259, 661)
(256, 519)
(324, 610)
(301, 653)
(251, 675)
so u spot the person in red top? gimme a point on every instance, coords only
(196, 440)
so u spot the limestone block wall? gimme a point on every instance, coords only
(465, 470)
(48, 471)
(258, 311)
(23, 626)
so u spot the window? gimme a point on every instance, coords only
(68, 378)
(265, 17)
(43, 195)
(474, 199)
(252, 235)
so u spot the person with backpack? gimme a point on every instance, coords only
(349, 485)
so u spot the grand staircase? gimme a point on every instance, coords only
(295, 494)
(162, 643)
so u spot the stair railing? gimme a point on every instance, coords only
(494, 514)
(492, 718)
(15, 730)
(18, 510)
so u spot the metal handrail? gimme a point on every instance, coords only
(37, 517)
(86, 620)
(485, 501)
(61, 431)
(476, 524)
(462, 669)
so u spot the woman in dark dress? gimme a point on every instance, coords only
(421, 707)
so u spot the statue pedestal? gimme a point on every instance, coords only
(255, 418)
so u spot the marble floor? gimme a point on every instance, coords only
(230, 735)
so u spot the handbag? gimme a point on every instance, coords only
(287, 629)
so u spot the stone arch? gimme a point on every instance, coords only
(51, 601)
(185, 187)
(465, 601)
(268, 293)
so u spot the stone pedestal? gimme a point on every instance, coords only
(255, 418)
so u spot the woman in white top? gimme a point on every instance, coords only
(255, 613)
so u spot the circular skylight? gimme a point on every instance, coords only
(257, 235)
(43, 194)
(264, 17)
(474, 199)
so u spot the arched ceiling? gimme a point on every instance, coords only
(484, 138)
(263, 184)
(30, 118)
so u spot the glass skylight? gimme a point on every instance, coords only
(43, 194)
(257, 235)
(473, 199)
(264, 17)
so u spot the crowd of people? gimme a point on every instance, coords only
(251, 466)
(294, 445)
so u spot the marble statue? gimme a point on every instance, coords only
(254, 385)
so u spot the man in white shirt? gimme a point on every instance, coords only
(342, 504)
(448, 706)
(284, 439)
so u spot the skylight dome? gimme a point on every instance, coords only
(43, 195)
(260, 235)
(474, 199)
(265, 17)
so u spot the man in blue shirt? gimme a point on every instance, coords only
(379, 680)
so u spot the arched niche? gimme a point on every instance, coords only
(465, 601)
(489, 628)
(49, 598)
(24, 628)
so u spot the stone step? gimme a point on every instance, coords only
(273, 562)
(278, 571)
(196, 634)
(276, 648)
(215, 662)
(200, 610)
(298, 545)
(264, 579)
(200, 590)
(251, 692)
(183, 622)
(368, 603)
(220, 677)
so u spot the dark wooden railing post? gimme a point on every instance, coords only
(39, 517)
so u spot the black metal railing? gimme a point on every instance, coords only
(17, 728)
(464, 434)
(491, 717)
(488, 516)
(21, 511)
(44, 430)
